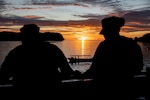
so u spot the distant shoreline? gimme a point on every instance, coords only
(12, 36)
(144, 38)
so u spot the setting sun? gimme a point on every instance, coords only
(83, 38)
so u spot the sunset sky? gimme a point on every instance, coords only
(75, 19)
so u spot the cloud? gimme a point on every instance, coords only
(24, 8)
(81, 12)
(14, 20)
(32, 17)
(55, 3)
(136, 20)
(142, 17)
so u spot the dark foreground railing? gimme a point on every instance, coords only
(82, 86)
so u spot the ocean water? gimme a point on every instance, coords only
(75, 47)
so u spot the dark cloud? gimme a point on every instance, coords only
(16, 20)
(2, 6)
(142, 17)
(50, 2)
(24, 8)
(2, 2)
(92, 16)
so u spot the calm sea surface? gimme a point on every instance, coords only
(74, 47)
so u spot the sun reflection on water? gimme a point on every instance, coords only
(83, 39)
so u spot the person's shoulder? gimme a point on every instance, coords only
(50, 45)
(127, 39)
(130, 42)
(102, 43)
(17, 48)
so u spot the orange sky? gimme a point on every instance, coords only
(89, 32)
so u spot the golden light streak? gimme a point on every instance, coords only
(82, 39)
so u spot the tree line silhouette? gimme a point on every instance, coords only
(144, 38)
(13, 36)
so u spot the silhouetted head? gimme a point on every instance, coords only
(30, 33)
(111, 26)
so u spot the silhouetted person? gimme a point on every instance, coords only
(116, 61)
(147, 83)
(36, 66)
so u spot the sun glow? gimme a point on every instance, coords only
(83, 38)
